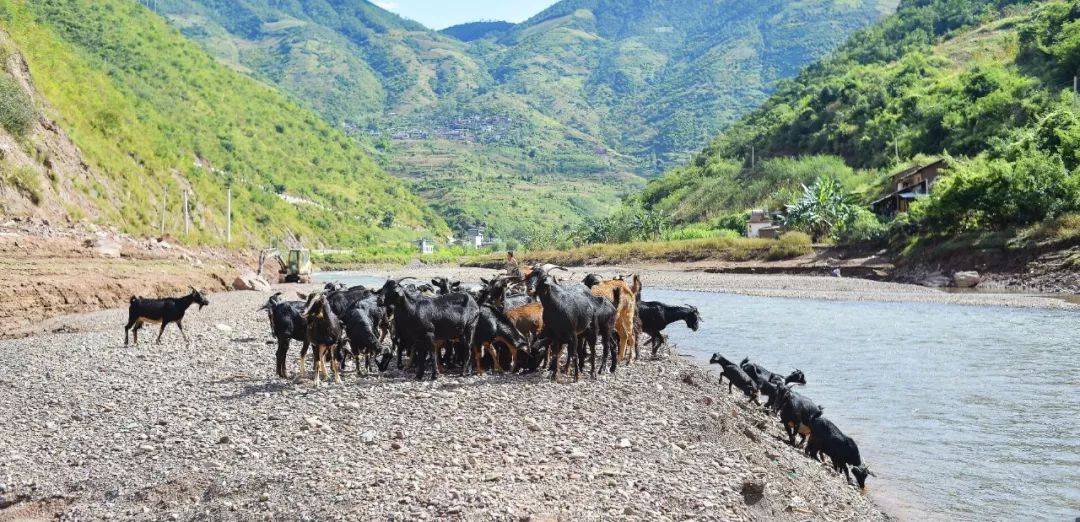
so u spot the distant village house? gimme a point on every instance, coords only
(908, 186)
(426, 246)
(761, 225)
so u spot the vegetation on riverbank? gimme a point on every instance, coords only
(724, 248)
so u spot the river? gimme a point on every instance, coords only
(963, 412)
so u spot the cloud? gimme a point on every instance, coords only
(386, 4)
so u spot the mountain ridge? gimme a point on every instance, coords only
(591, 87)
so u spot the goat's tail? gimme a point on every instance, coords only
(616, 296)
(133, 299)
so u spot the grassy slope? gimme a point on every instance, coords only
(152, 112)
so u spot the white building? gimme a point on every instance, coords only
(759, 220)
(426, 246)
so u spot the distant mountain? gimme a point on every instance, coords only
(477, 30)
(123, 111)
(489, 120)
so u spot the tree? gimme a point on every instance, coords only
(822, 209)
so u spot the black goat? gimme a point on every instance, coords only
(736, 377)
(426, 323)
(796, 412)
(655, 316)
(362, 326)
(826, 438)
(163, 311)
(603, 325)
(445, 286)
(494, 327)
(288, 324)
(761, 375)
(568, 313)
(324, 332)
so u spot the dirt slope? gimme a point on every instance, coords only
(50, 271)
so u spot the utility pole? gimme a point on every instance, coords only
(752, 158)
(228, 216)
(164, 194)
(896, 148)
(187, 218)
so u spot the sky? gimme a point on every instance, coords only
(440, 14)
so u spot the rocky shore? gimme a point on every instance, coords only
(94, 431)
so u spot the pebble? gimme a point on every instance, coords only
(624, 443)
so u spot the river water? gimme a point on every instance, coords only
(963, 412)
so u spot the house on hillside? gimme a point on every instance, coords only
(761, 224)
(907, 186)
(474, 236)
(426, 246)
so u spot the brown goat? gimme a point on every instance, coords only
(624, 314)
(529, 320)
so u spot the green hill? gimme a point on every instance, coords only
(585, 99)
(987, 83)
(151, 112)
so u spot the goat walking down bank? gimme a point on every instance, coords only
(163, 311)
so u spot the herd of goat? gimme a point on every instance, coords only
(516, 322)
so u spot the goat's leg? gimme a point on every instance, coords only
(282, 353)
(163, 325)
(592, 358)
(496, 358)
(301, 371)
(318, 363)
(574, 345)
(477, 355)
(131, 322)
(553, 354)
(335, 366)
(180, 325)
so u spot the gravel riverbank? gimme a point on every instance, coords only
(94, 430)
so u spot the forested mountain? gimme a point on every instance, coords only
(150, 113)
(988, 83)
(561, 115)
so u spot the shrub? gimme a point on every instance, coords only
(17, 112)
(791, 244)
(864, 227)
(25, 180)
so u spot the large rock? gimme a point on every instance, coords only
(966, 279)
(936, 279)
(104, 247)
(250, 281)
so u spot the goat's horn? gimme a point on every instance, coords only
(404, 279)
(563, 268)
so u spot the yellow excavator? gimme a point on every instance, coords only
(297, 269)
